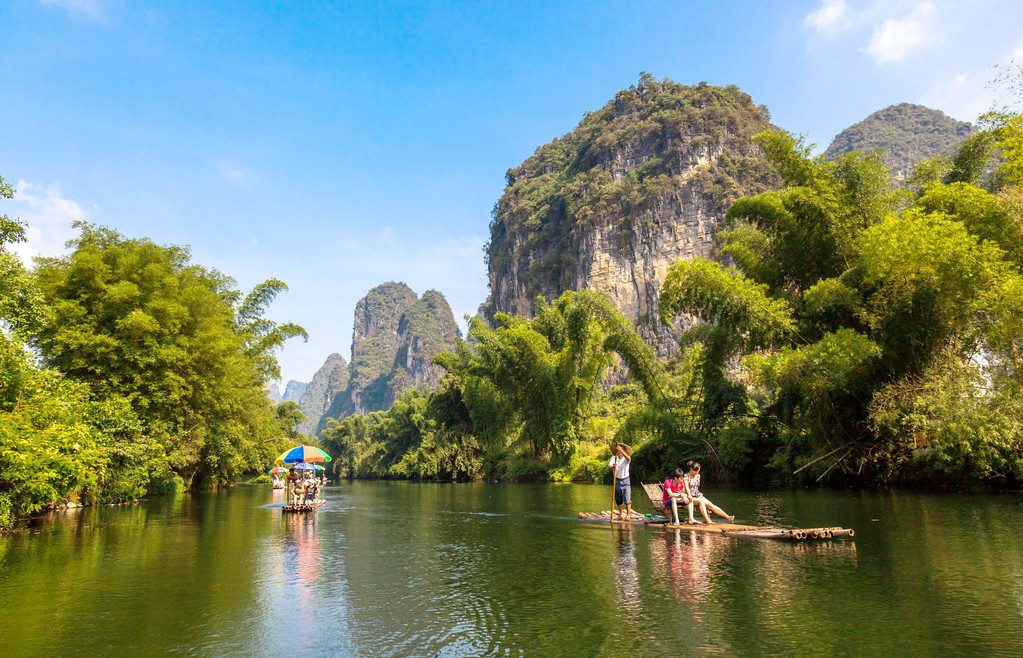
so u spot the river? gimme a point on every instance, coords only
(395, 568)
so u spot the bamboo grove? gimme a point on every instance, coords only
(126, 369)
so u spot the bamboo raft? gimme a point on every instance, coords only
(654, 492)
(303, 507)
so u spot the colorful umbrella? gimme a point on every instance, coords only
(279, 470)
(301, 454)
(318, 467)
(303, 467)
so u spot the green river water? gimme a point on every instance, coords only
(506, 569)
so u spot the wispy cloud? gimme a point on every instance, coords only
(48, 213)
(832, 16)
(233, 173)
(895, 38)
(89, 10)
(963, 97)
(968, 94)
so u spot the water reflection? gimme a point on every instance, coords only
(681, 558)
(625, 569)
(430, 569)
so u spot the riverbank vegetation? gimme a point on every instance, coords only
(859, 334)
(126, 369)
(852, 333)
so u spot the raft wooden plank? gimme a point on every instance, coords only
(728, 529)
(753, 532)
(303, 507)
(605, 517)
(717, 528)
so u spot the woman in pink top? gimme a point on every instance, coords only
(675, 491)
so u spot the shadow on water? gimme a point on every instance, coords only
(391, 568)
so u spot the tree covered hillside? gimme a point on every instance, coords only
(863, 334)
(327, 383)
(640, 182)
(906, 132)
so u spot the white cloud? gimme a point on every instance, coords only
(895, 38)
(48, 213)
(90, 10)
(832, 16)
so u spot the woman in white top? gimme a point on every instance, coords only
(692, 480)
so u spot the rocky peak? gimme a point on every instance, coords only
(375, 342)
(637, 185)
(377, 314)
(425, 330)
(395, 337)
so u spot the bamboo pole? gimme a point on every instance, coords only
(614, 487)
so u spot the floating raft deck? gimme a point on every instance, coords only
(655, 492)
(303, 507)
(729, 529)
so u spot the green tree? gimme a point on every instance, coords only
(140, 321)
(516, 399)
(289, 416)
(846, 292)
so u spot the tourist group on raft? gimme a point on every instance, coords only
(302, 489)
(682, 490)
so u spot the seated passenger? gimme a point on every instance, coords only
(692, 479)
(310, 488)
(675, 494)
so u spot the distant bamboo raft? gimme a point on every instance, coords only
(303, 507)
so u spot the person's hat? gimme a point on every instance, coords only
(627, 449)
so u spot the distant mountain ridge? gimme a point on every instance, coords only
(908, 133)
(293, 391)
(636, 186)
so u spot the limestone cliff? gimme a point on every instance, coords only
(906, 133)
(425, 330)
(637, 185)
(330, 380)
(395, 337)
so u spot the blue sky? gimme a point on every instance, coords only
(340, 145)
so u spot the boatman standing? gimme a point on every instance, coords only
(621, 457)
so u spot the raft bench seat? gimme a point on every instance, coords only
(655, 492)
